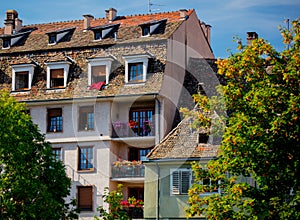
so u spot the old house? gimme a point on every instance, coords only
(104, 91)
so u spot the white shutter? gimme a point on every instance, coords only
(175, 182)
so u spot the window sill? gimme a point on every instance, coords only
(135, 84)
(86, 171)
(86, 130)
(25, 91)
(53, 132)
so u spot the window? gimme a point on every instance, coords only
(138, 154)
(137, 193)
(22, 75)
(6, 43)
(141, 121)
(146, 31)
(136, 67)
(135, 72)
(21, 80)
(181, 180)
(98, 35)
(98, 74)
(56, 154)
(57, 74)
(56, 78)
(99, 70)
(55, 120)
(52, 39)
(85, 158)
(86, 118)
(85, 198)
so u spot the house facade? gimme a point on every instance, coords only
(104, 91)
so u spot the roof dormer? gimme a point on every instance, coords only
(153, 27)
(60, 35)
(9, 40)
(105, 31)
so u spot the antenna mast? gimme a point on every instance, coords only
(150, 5)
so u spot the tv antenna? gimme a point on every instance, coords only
(150, 4)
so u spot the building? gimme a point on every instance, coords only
(104, 91)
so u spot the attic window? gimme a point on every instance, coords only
(57, 74)
(105, 31)
(202, 138)
(153, 27)
(22, 75)
(99, 70)
(6, 43)
(59, 35)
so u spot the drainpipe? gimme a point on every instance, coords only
(159, 116)
(158, 190)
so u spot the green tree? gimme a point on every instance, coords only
(116, 210)
(261, 139)
(32, 184)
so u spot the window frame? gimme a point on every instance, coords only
(86, 109)
(133, 59)
(6, 43)
(87, 161)
(49, 120)
(135, 150)
(91, 208)
(100, 61)
(22, 68)
(57, 149)
(140, 128)
(65, 65)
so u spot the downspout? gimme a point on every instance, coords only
(159, 116)
(158, 190)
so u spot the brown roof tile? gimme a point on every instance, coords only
(182, 143)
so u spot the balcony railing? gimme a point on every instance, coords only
(133, 129)
(129, 170)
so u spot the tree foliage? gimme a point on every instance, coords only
(261, 139)
(116, 210)
(32, 184)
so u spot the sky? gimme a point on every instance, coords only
(228, 18)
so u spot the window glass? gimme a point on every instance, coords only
(56, 154)
(52, 39)
(6, 43)
(146, 31)
(86, 118)
(135, 72)
(85, 158)
(56, 78)
(141, 121)
(97, 35)
(98, 74)
(55, 120)
(21, 80)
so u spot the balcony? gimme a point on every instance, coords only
(128, 171)
(133, 129)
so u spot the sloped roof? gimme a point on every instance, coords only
(129, 32)
(182, 143)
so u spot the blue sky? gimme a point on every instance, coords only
(228, 18)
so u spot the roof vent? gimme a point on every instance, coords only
(111, 14)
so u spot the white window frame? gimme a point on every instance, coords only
(101, 61)
(22, 68)
(179, 190)
(57, 65)
(140, 58)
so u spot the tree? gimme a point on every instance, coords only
(116, 210)
(261, 142)
(32, 184)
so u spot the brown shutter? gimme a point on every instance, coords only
(57, 73)
(54, 112)
(85, 197)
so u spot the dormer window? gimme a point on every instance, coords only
(136, 67)
(22, 76)
(60, 35)
(99, 70)
(6, 43)
(57, 74)
(105, 31)
(153, 27)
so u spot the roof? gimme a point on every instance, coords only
(128, 32)
(182, 143)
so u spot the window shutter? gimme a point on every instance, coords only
(54, 112)
(175, 182)
(185, 181)
(85, 197)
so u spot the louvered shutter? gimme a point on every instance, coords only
(175, 182)
(85, 198)
(185, 181)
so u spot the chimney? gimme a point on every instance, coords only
(206, 30)
(250, 37)
(87, 21)
(183, 14)
(12, 23)
(111, 14)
